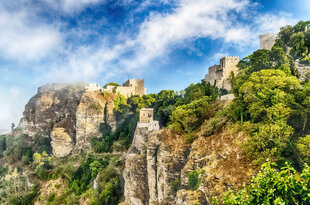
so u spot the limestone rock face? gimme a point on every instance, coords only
(302, 68)
(155, 159)
(69, 114)
(61, 142)
(152, 163)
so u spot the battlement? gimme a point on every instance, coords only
(231, 57)
(267, 34)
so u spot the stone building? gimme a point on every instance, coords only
(129, 88)
(218, 74)
(93, 87)
(267, 40)
(146, 119)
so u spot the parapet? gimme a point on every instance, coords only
(231, 58)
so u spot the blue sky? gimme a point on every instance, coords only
(169, 43)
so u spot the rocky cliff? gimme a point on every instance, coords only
(69, 114)
(155, 159)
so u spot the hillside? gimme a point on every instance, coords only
(80, 146)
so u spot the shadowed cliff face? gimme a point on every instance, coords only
(69, 114)
(155, 159)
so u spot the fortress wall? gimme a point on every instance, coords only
(230, 65)
(126, 91)
(267, 40)
(139, 88)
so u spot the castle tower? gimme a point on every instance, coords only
(267, 40)
(146, 119)
(229, 64)
(219, 74)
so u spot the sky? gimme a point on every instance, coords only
(169, 43)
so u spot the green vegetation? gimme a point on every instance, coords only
(271, 108)
(113, 84)
(271, 186)
(175, 185)
(298, 38)
(193, 180)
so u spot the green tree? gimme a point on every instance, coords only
(271, 186)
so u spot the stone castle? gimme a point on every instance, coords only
(130, 87)
(146, 119)
(267, 40)
(218, 74)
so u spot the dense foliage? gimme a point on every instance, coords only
(271, 186)
(271, 107)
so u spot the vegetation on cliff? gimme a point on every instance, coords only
(271, 108)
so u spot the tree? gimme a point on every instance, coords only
(303, 147)
(271, 186)
(12, 126)
(268, 95)
(188, 118)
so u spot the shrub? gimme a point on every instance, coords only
(271, 186)
(188, 118)
(269, 141)
(175, 185)
(303, 147)
(193, 180)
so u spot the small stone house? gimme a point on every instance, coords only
(146, 119)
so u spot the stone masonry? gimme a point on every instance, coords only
(218, 74)
(130, 87)
(267, 40)
(146, 116)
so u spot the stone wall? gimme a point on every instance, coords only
(129, 88)
(219, 74)
(146, 115)
(267, 40)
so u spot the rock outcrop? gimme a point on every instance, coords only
(69, 114)
(155, 159)
(303, 69)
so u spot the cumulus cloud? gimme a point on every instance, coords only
(77, 5)
(23, 40)
(162, 32)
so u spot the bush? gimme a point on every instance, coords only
(269, 141)
(271, 186)
(303, 147)
(188, 118)
(193, 180)
(175, 185)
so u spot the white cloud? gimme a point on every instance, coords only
(23, 39)
(77, 5)
(273, 23)
(161, 32)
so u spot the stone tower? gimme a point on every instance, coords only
(267, 40)
(219, 74)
